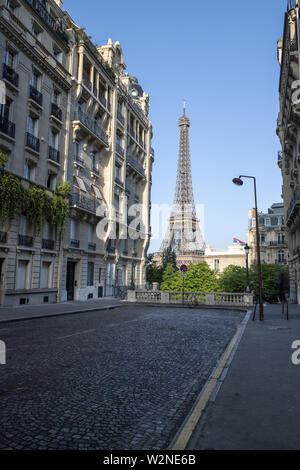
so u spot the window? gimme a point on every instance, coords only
(29, 170)
(267, 222)
(32, 126)
(281, 256)
(47, 231)
(12, 6)
(116, 202)
(118, 172)
(22, 274)
(37, 31)
(57, 53)
(51, 181)
(53, 139)
(280, 238)
(45, 279)
(94, 158)
(97, 192)
(9, 58)
(73, 229)
(99, 275)
(261, 238)
(90, 274)
(216, 264)
(56, 97)
(23, 225)
(35, 80)
(6, 110)
(80, 183)
(90, 233)
(77, 149)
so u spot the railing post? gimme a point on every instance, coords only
(131, 296)
(210, 298)
(165, 297)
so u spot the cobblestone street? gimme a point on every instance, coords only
(119, 379)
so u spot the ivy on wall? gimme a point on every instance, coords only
(34, 202)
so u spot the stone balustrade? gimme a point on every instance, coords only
(193, 298)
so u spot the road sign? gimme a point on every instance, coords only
(183, 268)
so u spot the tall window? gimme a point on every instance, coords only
(37, 31)
(280, 238)
(90, 274)
(45, 278)
(53, 139)
(216, 264)
(6, 110)
(35, 80)
(12, 6)
(77, 148)
(22, 279)
(29, 170)
(32, 125)
(281, 256)
(56, 97)
(9, 58)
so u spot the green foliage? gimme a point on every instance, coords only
(233, 279)
(109, 70)
(33, 202)
(199, 278)
(3, 159)
(153, 272)
(64, 189)
(12, 196)
(270, 275)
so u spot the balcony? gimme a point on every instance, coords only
(48, 244)
(295, 202)
(95, 171)
(56, 111)
(10, 75)
(91, 125)
(92, 246)
(120, 117)
(39, 7)
(277, 243)
(83, 202)
(3, 237)
(79, 160)
(24, 240)
(35, 95)
(7, 127)
(74, 243)
(136, 166)
(54, 154)
(119, 149)
(32, 142)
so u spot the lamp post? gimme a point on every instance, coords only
(240, 182)
(247, 249)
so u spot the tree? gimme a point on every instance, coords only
(270, 274)
(199, 278)
(169, 257)
(233, 279)
(153, 272)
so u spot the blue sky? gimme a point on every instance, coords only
(221, 57)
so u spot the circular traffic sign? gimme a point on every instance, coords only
(183, 268)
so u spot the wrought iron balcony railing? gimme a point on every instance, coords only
(56, 111)
(24, 240)
(92, 246)
(136, 165)
(7, 127)
(35, 95)
(295, 200)
(10, 75)
(54, 154)
(277, 243)
(91, 125)
(48, 244)
(50, 21)
(74, 243)
(3, 237)
(83, 202)
(119, 149)
(32, 142)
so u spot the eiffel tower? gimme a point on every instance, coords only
(183, 235)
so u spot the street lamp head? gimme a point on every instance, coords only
(238, 181)
(247, 249)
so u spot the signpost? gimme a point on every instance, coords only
(184, 270)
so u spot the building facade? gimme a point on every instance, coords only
(288, 131)
(272, 233)
(72, 115)
(219, 259)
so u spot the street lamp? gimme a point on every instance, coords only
(239, 182)
(247, 250)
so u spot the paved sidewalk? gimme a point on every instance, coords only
(258, 405)
(40, 311)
